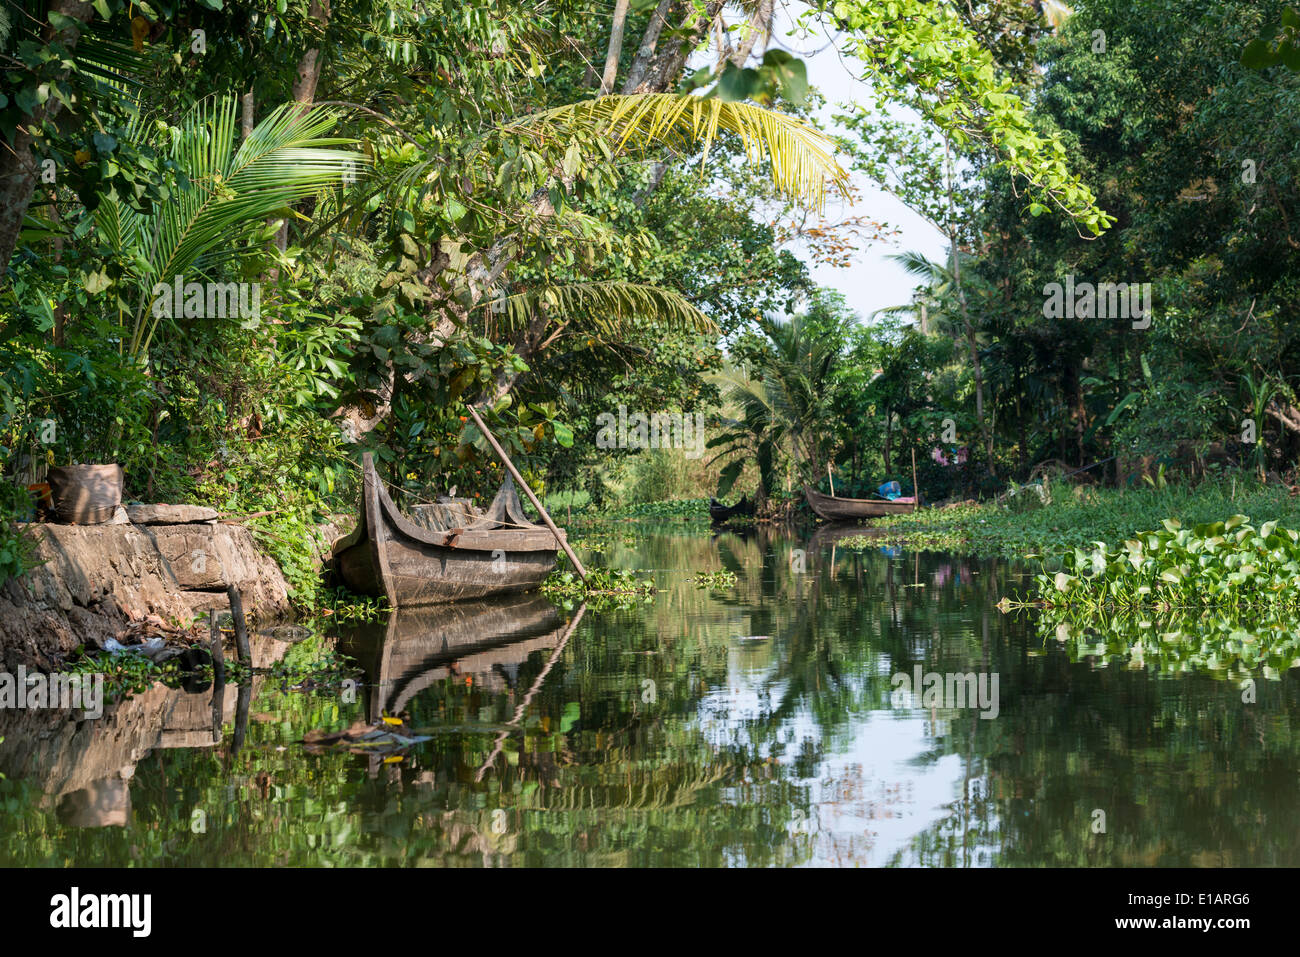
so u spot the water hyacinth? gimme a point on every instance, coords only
(1222, 565)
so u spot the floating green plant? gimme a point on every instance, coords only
(1223, 565)
(604, 588)
(715, 580)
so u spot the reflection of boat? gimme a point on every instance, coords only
(388, 554)
(485, 641)
(828, 535)
(835, 509)
(720, 513)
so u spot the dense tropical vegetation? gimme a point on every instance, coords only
(243, 243)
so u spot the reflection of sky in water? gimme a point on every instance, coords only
(878, 789)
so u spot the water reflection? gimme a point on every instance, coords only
(757, 725)
(482, 643)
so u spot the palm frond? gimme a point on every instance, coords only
(606, 306)
(226, 194)
(803, 165)
(919, 265)
(1056, 13)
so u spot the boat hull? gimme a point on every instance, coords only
(411, 566)
(849, 509)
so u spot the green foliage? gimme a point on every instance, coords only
(221, 200)
(603, 589)
(925, 55)
(1222, 644)
(17, 550)
(1226, 564)
(687, 509)
(1079, 515)
(1283, 48)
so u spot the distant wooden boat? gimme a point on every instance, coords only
(388, 554)
(720, 513)
(835, 509)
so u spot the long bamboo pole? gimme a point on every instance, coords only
(916, 489)
(519, 479)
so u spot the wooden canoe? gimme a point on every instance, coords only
(720, 513)
(847, 509)
(388, 554)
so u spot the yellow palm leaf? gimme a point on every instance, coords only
(803, 166)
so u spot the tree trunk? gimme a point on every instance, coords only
(246, 123)
(305, 81)
(18, 165)
(760, 25)
(61, 309)
(615, 48)
(889, 425)
(649, 44)
(667, 65)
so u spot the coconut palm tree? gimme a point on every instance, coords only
(944, 286)
(782, 404)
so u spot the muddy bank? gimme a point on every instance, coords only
(93, 579)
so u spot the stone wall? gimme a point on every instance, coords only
(94, 578)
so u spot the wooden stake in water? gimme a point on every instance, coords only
(830, 479)
(214, 646)
(241, 626)
(519, 480)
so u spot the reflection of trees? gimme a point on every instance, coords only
(597, 770)
(1185, 772)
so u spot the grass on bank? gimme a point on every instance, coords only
(1078, 516)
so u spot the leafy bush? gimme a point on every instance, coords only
(689, 509)
(16, 546)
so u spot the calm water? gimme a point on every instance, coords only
(670, 735)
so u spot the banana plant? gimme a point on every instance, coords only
(1260, 392)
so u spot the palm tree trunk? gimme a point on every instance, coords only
(306, 79)
(889, 424)
(615, 47)
(969, 328)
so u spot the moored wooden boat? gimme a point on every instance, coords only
(720, 513)
(388, 554)
(835, 509)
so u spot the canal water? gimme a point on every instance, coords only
(762, 724)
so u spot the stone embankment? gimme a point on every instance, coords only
(173, 561)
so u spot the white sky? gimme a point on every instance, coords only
(872, 281)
